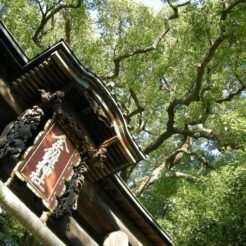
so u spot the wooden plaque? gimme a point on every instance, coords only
(48, 163)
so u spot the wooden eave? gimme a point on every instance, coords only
(108, 205)
(136, 213)
(58, 69)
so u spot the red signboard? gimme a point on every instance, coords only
(49, 163)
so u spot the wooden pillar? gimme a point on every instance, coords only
(73, 233)
(118, 238)
(27, 218)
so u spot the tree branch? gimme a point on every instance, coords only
(134, 112)
(163, 81)
(40, 7)
(175, 9)
(201, 158)
(47, 15)
(117, 60)
(170, 160)
(178, 174)
(193, 96)
(227, 9)
(199, 132)
(148, 180)
(139, 109)
(233, 94)
(67, 27)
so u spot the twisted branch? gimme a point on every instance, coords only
(117, 60)
(193, 96)
(169, 161)
(49, 13)
(139, 108)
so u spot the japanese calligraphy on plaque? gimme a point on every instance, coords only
(49, 163)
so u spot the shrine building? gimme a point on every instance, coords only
(63, 140)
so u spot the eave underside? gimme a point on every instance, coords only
(58, 73)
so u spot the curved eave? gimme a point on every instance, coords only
(136, 212)
(90, 82)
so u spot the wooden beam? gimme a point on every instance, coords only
(110, 141)
(69, 228)
(118, 238)
(104, 216)
(27, 218)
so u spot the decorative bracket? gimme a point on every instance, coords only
(68, 202)
(17, 136)
(98, 156)
(67, 120)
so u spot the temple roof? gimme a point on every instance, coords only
(57, 68)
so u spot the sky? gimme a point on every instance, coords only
(155, 4)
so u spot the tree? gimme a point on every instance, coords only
(211, 210)
(10, 229)
(13, 233)
(178, 75)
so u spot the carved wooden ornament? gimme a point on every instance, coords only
(48, 163)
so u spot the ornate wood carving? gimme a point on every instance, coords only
(53, 100)
(98, 110)
(71, 124)
(74, 129)
(16, 137)
(68, 202)
(67, 119)
(98, 156)
(20, 134)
